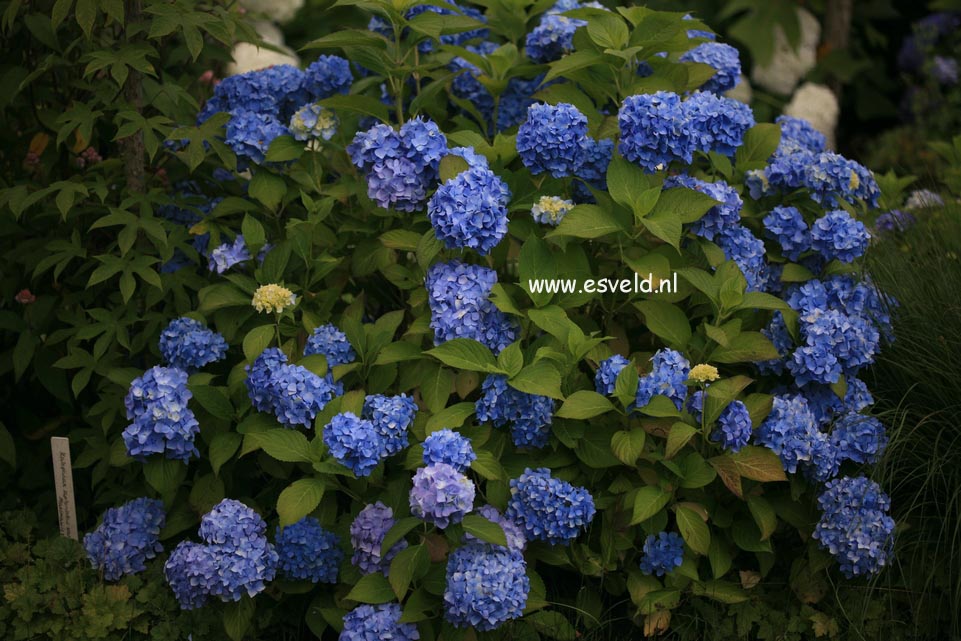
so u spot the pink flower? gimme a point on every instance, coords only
(25, 297)
(208, 78)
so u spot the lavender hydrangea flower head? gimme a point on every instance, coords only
(607, 372)
(655, 130)
(127, 537)
(447, 446)
(549, 509)
(458, 297)
(332, 343)
(308, 552)
(391, 416)
(667, 378)
(725, 60)
(486, 586)
(225, 256)
(187, 345)
(529, 415)
(375, 622)
(366, 536)
(551, 139)
(161, 421)
(854, 526)
(838, 235)
(662, 553)
(470, 210)
(441, 495)
(354, 443)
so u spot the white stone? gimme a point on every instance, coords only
(250, 57)
(818, 105)
(788, 65)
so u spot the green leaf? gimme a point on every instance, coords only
(722, 591)
(660, 406)
(484, 529)
(237, 618)
(552, 625)
(450, 166)
(214, 400)
(683, 204)
(299, 499)
(8, 451)
(284, 149)
(257, 340)
(164, 475)
(649, 501)
(268, 188)
(759, 464)
(539, 378)
(746, 347)
(590, 221)
(764, 515)
(450, 417)
(760, 142)
(625, 386)
(464, 353)
(511, 359)
(359, 104)
(410, 564)
(628, 445)
(677, 438)
(371, 588)
(222, 447)
(398, 352)
(221, 295)
(584, 404)
(398, 531)
(86, 13)
(667, 321)
(664, 226)
(720, 557)
(285, 445)
(253, 232)
(608, 31)
(488, 467)
(694, 530)
(721, 393)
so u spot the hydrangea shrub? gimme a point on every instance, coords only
(380, 411)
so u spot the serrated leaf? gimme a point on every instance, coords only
(464, 353)
(628, 445)
(285, 445)
(649, 501)
(693, 530)
(484, 529)
(372, 588)
(299, 499)
(677, 438)
(584, 404)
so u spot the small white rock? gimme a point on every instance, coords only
(818, 105)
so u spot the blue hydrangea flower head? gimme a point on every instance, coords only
(225, 256)
(514, 534)
(332, 343)
(668, 377)
(161, 421)
(470, 210)
(725, 60)
(551, 139)
(367, 533)
(662, 553)
(308, 552)
(313, 122)
(487, 586)
(799, 133)
(790, 431)
(230, 521)
(854, 526)
(859, 438)
(552, 38)
(297, 395)
(747, 250)
(733, 427)
(424, 142)
(838, 235)
(354, 443)
(127, 537)
(474, 159)
(894, 220)
(607, 372)
(529, 415)
(786, 225)
(273, 92)
(249, 134)
(549, 509)
(655, 130)
(550, 210)
(717, 123)
(832, 176)
(244, 568)
(327, 76)
(594, 158)
(186, 344)
(391, 417)
(447, 446)
(192, 571)
(441, 495)
(458, 297)
(376, 622)
(718, 218)
(516, 100)
(260, 375)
